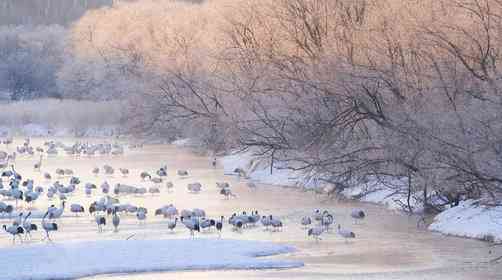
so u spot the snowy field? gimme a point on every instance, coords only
(78, 259)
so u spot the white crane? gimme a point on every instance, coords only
(124, 171)
(172, 224)
(306, 221)
(28, 227)
(251, 185)
(31, 196)
(105, 187)
(145, 175)
(68, 172)
(77, 209)
(182, 173)
(207, 223)
(357, 214)
(194, 188)
(157, 180)
(60, 172)
(327, 220)
(100, 221)
(141, 215)
(154, 190)
(14, 230)
(191, 224)
(317, 215)
(227, 193)
(115, 220)
(169, 186)
(276, 223)
(316, 233)
(56, 213)
(95, 171)
(162, 172)
(346, 234)
(38, 165)
(109, 170)
(48, 227)
(16, 194)
(219, 226)
(266, 221)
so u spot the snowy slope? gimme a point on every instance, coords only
(73, 260)
(470, 220)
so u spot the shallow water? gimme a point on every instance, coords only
(388, 245)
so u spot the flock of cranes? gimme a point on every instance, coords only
(326, 220)
(109, 207)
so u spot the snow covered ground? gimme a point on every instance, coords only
(467, 220)
(79, 259)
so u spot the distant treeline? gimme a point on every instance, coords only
(46, 11)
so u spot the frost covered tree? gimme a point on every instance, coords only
(29, 60)
(344, 91)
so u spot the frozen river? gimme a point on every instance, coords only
(388, 245)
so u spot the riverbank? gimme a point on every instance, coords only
(470, 219)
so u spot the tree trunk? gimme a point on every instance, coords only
(425, 204)
(409, 194)
(272, 163)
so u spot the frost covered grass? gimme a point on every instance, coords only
(45, 117)
(80, 259)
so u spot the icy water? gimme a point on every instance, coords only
(388, 245)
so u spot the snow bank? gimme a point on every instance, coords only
(470, 219)
(259, 170)
(74, 260)
(182, 142)
(375, 191)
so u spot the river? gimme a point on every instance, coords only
(388, 244)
